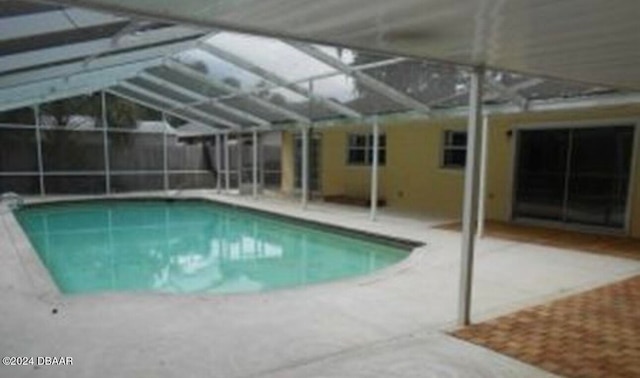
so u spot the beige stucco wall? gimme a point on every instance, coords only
(287, 163)
(413, 180)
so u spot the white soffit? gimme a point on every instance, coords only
(591, 41)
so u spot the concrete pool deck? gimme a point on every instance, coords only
(389, 324)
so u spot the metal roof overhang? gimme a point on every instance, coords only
(72, 51)
(589, 41)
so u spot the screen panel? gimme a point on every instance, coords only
(18, 150)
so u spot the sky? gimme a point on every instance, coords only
(279, 58)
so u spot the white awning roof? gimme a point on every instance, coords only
(590, 41)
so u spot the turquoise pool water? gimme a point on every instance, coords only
(189, 247)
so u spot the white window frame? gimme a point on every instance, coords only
(367, 149)
(447, 145)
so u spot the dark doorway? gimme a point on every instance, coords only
(576, 176)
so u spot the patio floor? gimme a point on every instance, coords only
(592, 334)
(613, 245)
(391, 323)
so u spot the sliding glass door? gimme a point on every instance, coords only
(541, 181)
(577, 176)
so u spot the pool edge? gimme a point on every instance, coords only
(42, 283)
(392, 241)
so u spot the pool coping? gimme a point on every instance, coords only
(45, 287)
(393, 241)
(43, 284)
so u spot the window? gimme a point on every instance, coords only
(360, 149)
(454, 149)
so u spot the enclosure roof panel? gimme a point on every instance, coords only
(237, 80)
(10, 8)
(591, 41)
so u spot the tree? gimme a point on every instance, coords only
(125, 114)
(264, 92)
(72, 112)
(197, 65)
(422, 80)
(232, 82)
(22, 116)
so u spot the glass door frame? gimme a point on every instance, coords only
(634, 175)
(314, 135)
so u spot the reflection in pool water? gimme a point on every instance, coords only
(187, 247)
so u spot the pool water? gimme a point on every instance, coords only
(190, 247)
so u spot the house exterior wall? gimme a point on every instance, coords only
(287, 162)
(413, 180)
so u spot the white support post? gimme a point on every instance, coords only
(262, 164)
(218, 162)
(105, 142)
(374, 170)
(239, 160)
(227, 167)
(36, 113)
(255, 164)
(305, 166)
(470, 203)
(165, 153)
(483, 176)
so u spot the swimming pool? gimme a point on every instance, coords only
(191, 247)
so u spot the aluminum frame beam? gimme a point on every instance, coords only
(105, 142)
(114, 91)
(24, 26)
(188, 71)
(61, 94)
(227, 164)
(374, 170)
(165, 154)
(512, 92)
(39, 154)
(93, 48)
(372, 83)
(276, 79)
(618, 99)
(503, 90)
(218, 162)
(326, 75)
(254, 172)
(15, 97)
(179, 105)
(204, 99)
(305, 167)
(141, 56)
(508, 91)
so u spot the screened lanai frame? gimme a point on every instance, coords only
(153, 57)
(99, 164)
(105, 168)
(249, 83)
(379, 97)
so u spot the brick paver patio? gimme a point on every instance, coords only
(592, 334)
(612, 245)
